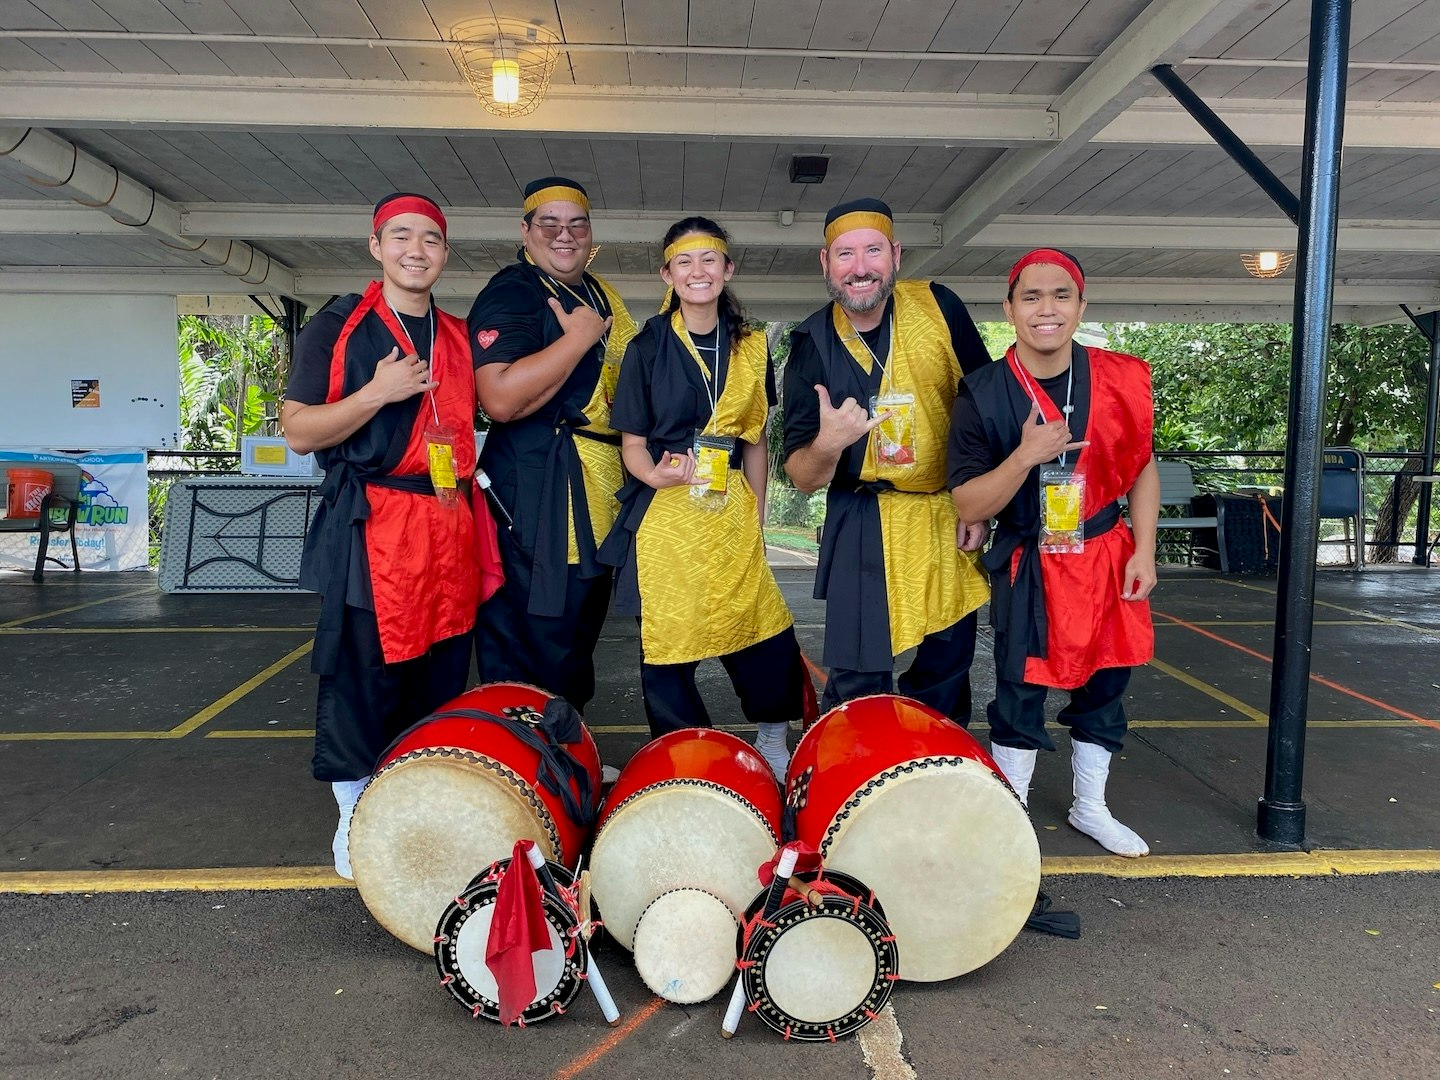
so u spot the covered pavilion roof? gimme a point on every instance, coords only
(269, 127)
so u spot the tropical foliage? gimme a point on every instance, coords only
(232, 369)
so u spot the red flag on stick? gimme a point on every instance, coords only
(518, 930)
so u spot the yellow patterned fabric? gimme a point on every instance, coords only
(705, 587)
(604, 474)
(917, 520)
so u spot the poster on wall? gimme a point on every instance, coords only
(112, 526)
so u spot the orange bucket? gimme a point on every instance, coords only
(27, 490)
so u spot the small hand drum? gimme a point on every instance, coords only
(464, 930)
(817, 973)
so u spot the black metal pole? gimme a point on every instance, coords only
(1281, 816)
(1430, 324)
(1228, 141)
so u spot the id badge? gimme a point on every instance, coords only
(609, 379)
(895, 435)
(1062, 501)
(440, 452)
(712, 470)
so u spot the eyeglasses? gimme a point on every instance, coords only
(550, 228)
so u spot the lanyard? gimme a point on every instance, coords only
(429, 356)
(889, 353)
(589, 300)
(1032, 390)
(714, 389)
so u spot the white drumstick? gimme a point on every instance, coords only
(608, 1008)
(783, 870)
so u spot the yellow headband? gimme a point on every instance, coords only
(859, 219)
(696, 242)
(556, 193)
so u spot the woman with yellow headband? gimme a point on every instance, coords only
(694, 394)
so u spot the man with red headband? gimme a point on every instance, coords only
(868, 389)
(1047, 442)
(548, 339)
(382, 390)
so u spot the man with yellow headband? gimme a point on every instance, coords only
(548, 339)
(867, 395)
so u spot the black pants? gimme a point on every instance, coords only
(938, 677)
(367, 702)
(555, 653)
(1096, 713)
(768, 676)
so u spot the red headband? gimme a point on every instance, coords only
(1051, 257)
(408, 204)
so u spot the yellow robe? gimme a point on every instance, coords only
(705, 587)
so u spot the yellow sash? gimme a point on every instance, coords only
(604, 475)
(705, 587)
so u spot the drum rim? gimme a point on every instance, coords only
(685, 781)
(561, 917)
(526, 790)
(796, 912)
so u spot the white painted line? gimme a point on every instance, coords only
(880, 1042)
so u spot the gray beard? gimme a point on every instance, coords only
(837, 293)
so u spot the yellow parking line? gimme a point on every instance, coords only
(264, 733)
(1255, 864)
(77, 607)
(1318, 863)
(43, 882)
(1209, 691)
(215, 708)
(80, 736)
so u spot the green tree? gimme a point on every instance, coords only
(1223, 385)
(232, 369)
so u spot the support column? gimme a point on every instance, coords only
(1281, 817)
(1430, 326)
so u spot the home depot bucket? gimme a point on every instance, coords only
(27, 491)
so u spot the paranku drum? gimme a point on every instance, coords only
(693, 810)
(463, 932)
(452, 796)
(903, 798)
(817, 973)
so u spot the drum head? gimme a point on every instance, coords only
(821, 972)
(676, 835)
(951, 854)
(427, 824)
(685, 946)
(460, 939)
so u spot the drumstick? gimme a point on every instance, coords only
(597, 981)
(783, 869)
(592, 976)
(813, 897)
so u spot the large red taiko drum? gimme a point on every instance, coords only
(902, 797)
(687, 824)
(454, 793)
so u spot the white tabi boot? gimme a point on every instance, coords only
(770, 741)
(1018, 766)
(347, 794)
(1089, 813)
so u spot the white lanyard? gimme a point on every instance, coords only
(429, 356)
(889, 354)
(716, 390)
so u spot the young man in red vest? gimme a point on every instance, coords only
(382, 390)
(1047, 441)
